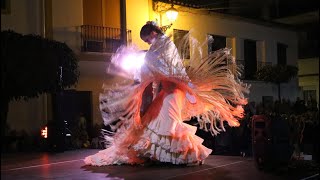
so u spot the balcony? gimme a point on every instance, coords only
(261, 64)
(250, 71)
(103, 39)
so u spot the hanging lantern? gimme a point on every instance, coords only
(172, 14)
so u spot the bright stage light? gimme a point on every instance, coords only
(133, 61)
(44, 132)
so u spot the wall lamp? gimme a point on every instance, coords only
(172, 15)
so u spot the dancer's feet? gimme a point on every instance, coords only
(197, 163)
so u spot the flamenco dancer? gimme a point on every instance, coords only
(205, 87)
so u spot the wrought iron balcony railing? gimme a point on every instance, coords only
(244, 74)
(103, 39)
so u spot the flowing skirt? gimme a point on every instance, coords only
(165, 138)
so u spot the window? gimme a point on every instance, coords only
(178, 37)
(5, 6)
(218, 42)
(250, 58)
(282, 54)
(101, 31)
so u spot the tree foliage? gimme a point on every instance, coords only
(276, 73)
(31, 64)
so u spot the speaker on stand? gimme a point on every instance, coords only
(270, 141)
(57, 128)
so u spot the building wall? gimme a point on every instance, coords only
(92, 79)
(68, 16)
(309, 75)
(137, 16)
(111, 13)
(24, 17)
(309, 66)
(92, 12)
(66, 28)
(226, 26)
(239, 29)
(28, 115)
(236, 30)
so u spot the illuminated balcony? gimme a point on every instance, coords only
(103, 39)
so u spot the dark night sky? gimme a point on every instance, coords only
(252, 8)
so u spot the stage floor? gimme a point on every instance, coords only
(69, 165)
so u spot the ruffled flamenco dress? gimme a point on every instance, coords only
(205, 87)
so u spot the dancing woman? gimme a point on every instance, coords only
(207, 89)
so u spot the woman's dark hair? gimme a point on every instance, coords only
(148, 28)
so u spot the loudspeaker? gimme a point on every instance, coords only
(57, 127)
(270, 141)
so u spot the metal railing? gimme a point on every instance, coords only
(241, 64)
(103, 39)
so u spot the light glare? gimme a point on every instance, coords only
(133, 61)
(44, 132)
(172, 14)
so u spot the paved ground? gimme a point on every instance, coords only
(69, 165)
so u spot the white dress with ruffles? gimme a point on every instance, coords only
(161, 133)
